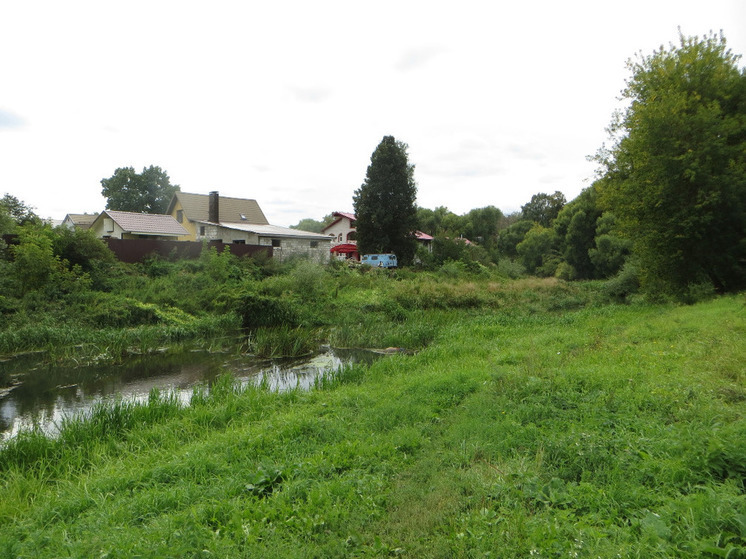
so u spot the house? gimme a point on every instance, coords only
(425, 240)
(342, 229)
(111, 224)
(212, 217)
(79, 221)
(192, 210)
(344, 236)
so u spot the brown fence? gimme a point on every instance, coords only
(136, 250)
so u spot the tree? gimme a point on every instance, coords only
(385, 205)
(543, 208)
(676, 174)
(575, 226)
(13, 212)
(481, 225)
(147, 192)
(312, 225)
(538, 252)
(511, 237)
(440, 221)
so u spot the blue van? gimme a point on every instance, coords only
(380, 260)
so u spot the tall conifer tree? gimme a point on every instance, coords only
(385, 204)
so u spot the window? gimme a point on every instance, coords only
(180, 216)
(276, 243)
(239, 242)
(202, 230)
(314, 244)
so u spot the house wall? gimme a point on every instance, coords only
(342, 227)
(99, 228)
(215, 232)
(185, 223)
(288, 246)
(299, 247)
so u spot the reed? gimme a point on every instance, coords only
(283, 341)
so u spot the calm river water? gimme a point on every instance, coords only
(33, 393)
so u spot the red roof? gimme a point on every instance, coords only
(344, 248)
(422, 236)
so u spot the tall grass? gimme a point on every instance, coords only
(592, 432)
(283, 341)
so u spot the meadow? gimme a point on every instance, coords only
(527, 418)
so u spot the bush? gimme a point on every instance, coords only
(510, 268)
(258, 311)
(624, 284)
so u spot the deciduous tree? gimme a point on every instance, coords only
(676, 173)
(147, 192)
(543, 208)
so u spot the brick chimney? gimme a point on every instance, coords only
(213, 209)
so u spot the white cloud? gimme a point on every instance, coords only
(9, 120)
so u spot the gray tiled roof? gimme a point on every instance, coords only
(83, 221)
(147, 224)
(275, 231)
(196, 208)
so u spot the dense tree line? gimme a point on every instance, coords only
(669, 207)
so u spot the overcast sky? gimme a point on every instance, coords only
(285, 101)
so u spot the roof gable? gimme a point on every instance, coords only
(339, 216)
(83, 221)
(197, 208)
(146, 224)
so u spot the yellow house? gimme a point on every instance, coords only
(195, 211)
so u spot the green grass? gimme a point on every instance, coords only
(539, 428)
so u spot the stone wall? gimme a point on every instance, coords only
(298, 247)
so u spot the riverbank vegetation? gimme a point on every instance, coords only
(535, 423)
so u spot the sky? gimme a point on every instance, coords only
(285, 101)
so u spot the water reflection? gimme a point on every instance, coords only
(32, 393)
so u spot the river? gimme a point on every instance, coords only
(34, 393)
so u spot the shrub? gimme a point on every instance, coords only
(624, 284)
(258, 311)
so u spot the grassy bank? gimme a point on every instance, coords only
(519, 430)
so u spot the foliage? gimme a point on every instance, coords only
(625, 284)
(36, 267)
(312, 225)
(511, 237)
(543, 208)
(146, 192)
(676, 174)
(537, 251)
(262, 311)
(482, 224)
(439, 222)
(611, 250)
(385, 203)
(14, 212)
